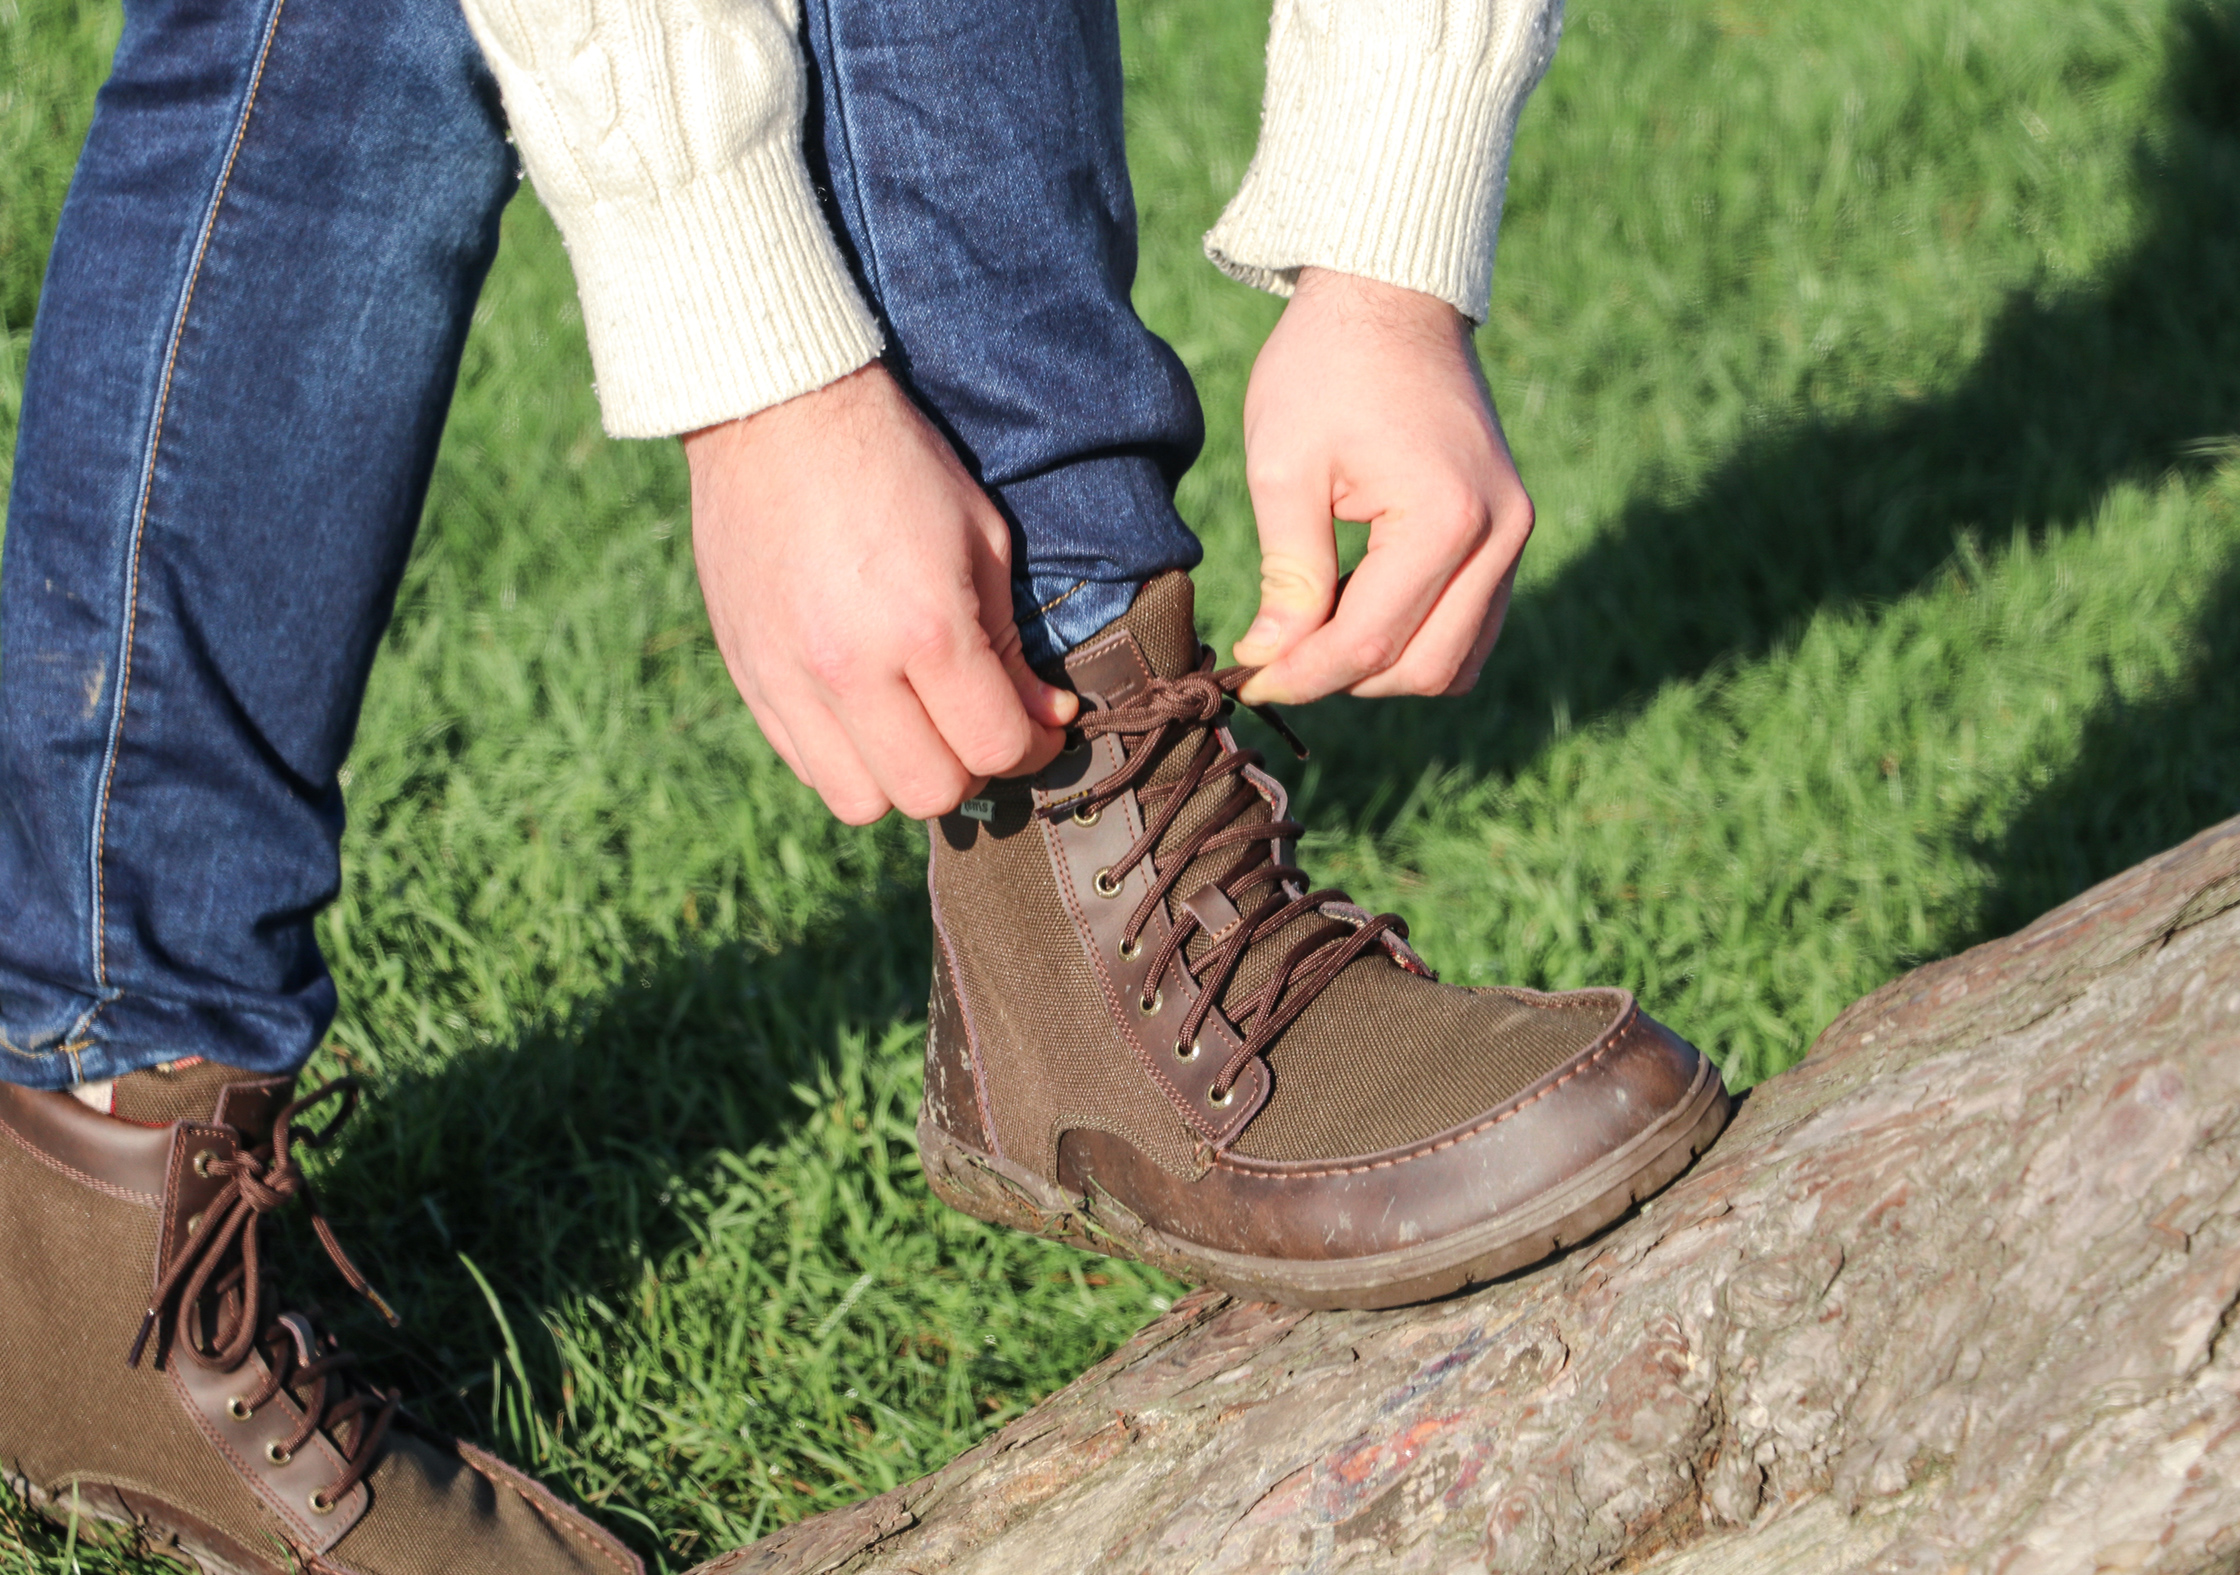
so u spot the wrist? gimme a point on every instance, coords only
(828, 408)
(1322, 291)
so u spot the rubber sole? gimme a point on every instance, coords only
(1002, 1193)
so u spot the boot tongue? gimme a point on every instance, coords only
(198, 1090)
(1158, 632)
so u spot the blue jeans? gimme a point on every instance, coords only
(247, 341)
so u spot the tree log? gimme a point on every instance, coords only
(1956, 1293)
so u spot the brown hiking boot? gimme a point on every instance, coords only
(149, 1377)
(1150, 1037)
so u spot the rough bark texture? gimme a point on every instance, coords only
(1957, 1293)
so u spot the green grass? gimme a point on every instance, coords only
(1877, 372)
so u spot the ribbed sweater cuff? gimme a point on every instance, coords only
(1380, 162)
(714, 300)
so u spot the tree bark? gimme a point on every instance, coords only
(1956, 1293)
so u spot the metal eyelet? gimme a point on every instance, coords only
(1187, 1052)
(194, 1223)
(238, 1409)
(1151, 1007)
(320, 1503)
(1073, 745)
(1105, 884)
(1222, 1101)
(1088, 817)
(1130, 950)
(202, 1162)
(278, 1456)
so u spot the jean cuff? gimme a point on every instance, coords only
(1085, 537)
(52, 1039)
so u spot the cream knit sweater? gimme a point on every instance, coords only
(665, 137)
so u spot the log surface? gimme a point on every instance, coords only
(1956, 1293)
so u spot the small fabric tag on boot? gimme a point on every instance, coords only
(101, 1096)
(978, 809)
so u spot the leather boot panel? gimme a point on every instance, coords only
(190, 1186)
(1496, 1166)
(125, 1162)
(1147, 1013)
(288, 1484)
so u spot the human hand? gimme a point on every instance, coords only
(859, 584)
(1367, 403)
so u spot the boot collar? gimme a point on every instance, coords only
(116, 1157)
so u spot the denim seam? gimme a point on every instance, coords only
(1062, 595)
(98, 860)
(870, 242)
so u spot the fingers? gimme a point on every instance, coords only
(1412, 559)
(829, 762)
(1298, 560)
(1048, 708)
(956, 706)
(992, 718)
(1452, 643)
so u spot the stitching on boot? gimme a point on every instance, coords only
(1297, 1174)
(106, 1188)
(547, 1505)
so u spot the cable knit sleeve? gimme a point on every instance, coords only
(665, 138)
(1384, 143)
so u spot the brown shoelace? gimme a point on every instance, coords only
(215, 1290)
(1198, 701)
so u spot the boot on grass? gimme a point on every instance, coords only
(1151, 1036)
(153, 1377)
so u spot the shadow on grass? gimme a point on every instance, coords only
(2071, 397)
(551, 1161)
(2147, 777)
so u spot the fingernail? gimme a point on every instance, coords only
(1264, 631)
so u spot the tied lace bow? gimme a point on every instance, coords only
(1267, 894)
(214, 1289)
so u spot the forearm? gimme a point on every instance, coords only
(665, 138)
(1384, 143)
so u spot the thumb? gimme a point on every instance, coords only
(1298, 566)
(1049, 709)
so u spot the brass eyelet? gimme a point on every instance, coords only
(278, 1456)
(1151, 1007)
(194, 1223)
(202, 1162)
(1088, 817)
(1105, 884)
(1130, 950)
(320, 1503)
(1187, 1052)
(1223, 1100)
(238, 1409)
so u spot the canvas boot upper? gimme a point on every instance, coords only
(154, 1375)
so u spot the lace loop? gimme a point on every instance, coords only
(1268, 894)
(214, 1290)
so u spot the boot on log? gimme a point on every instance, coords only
(1956, 1293)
